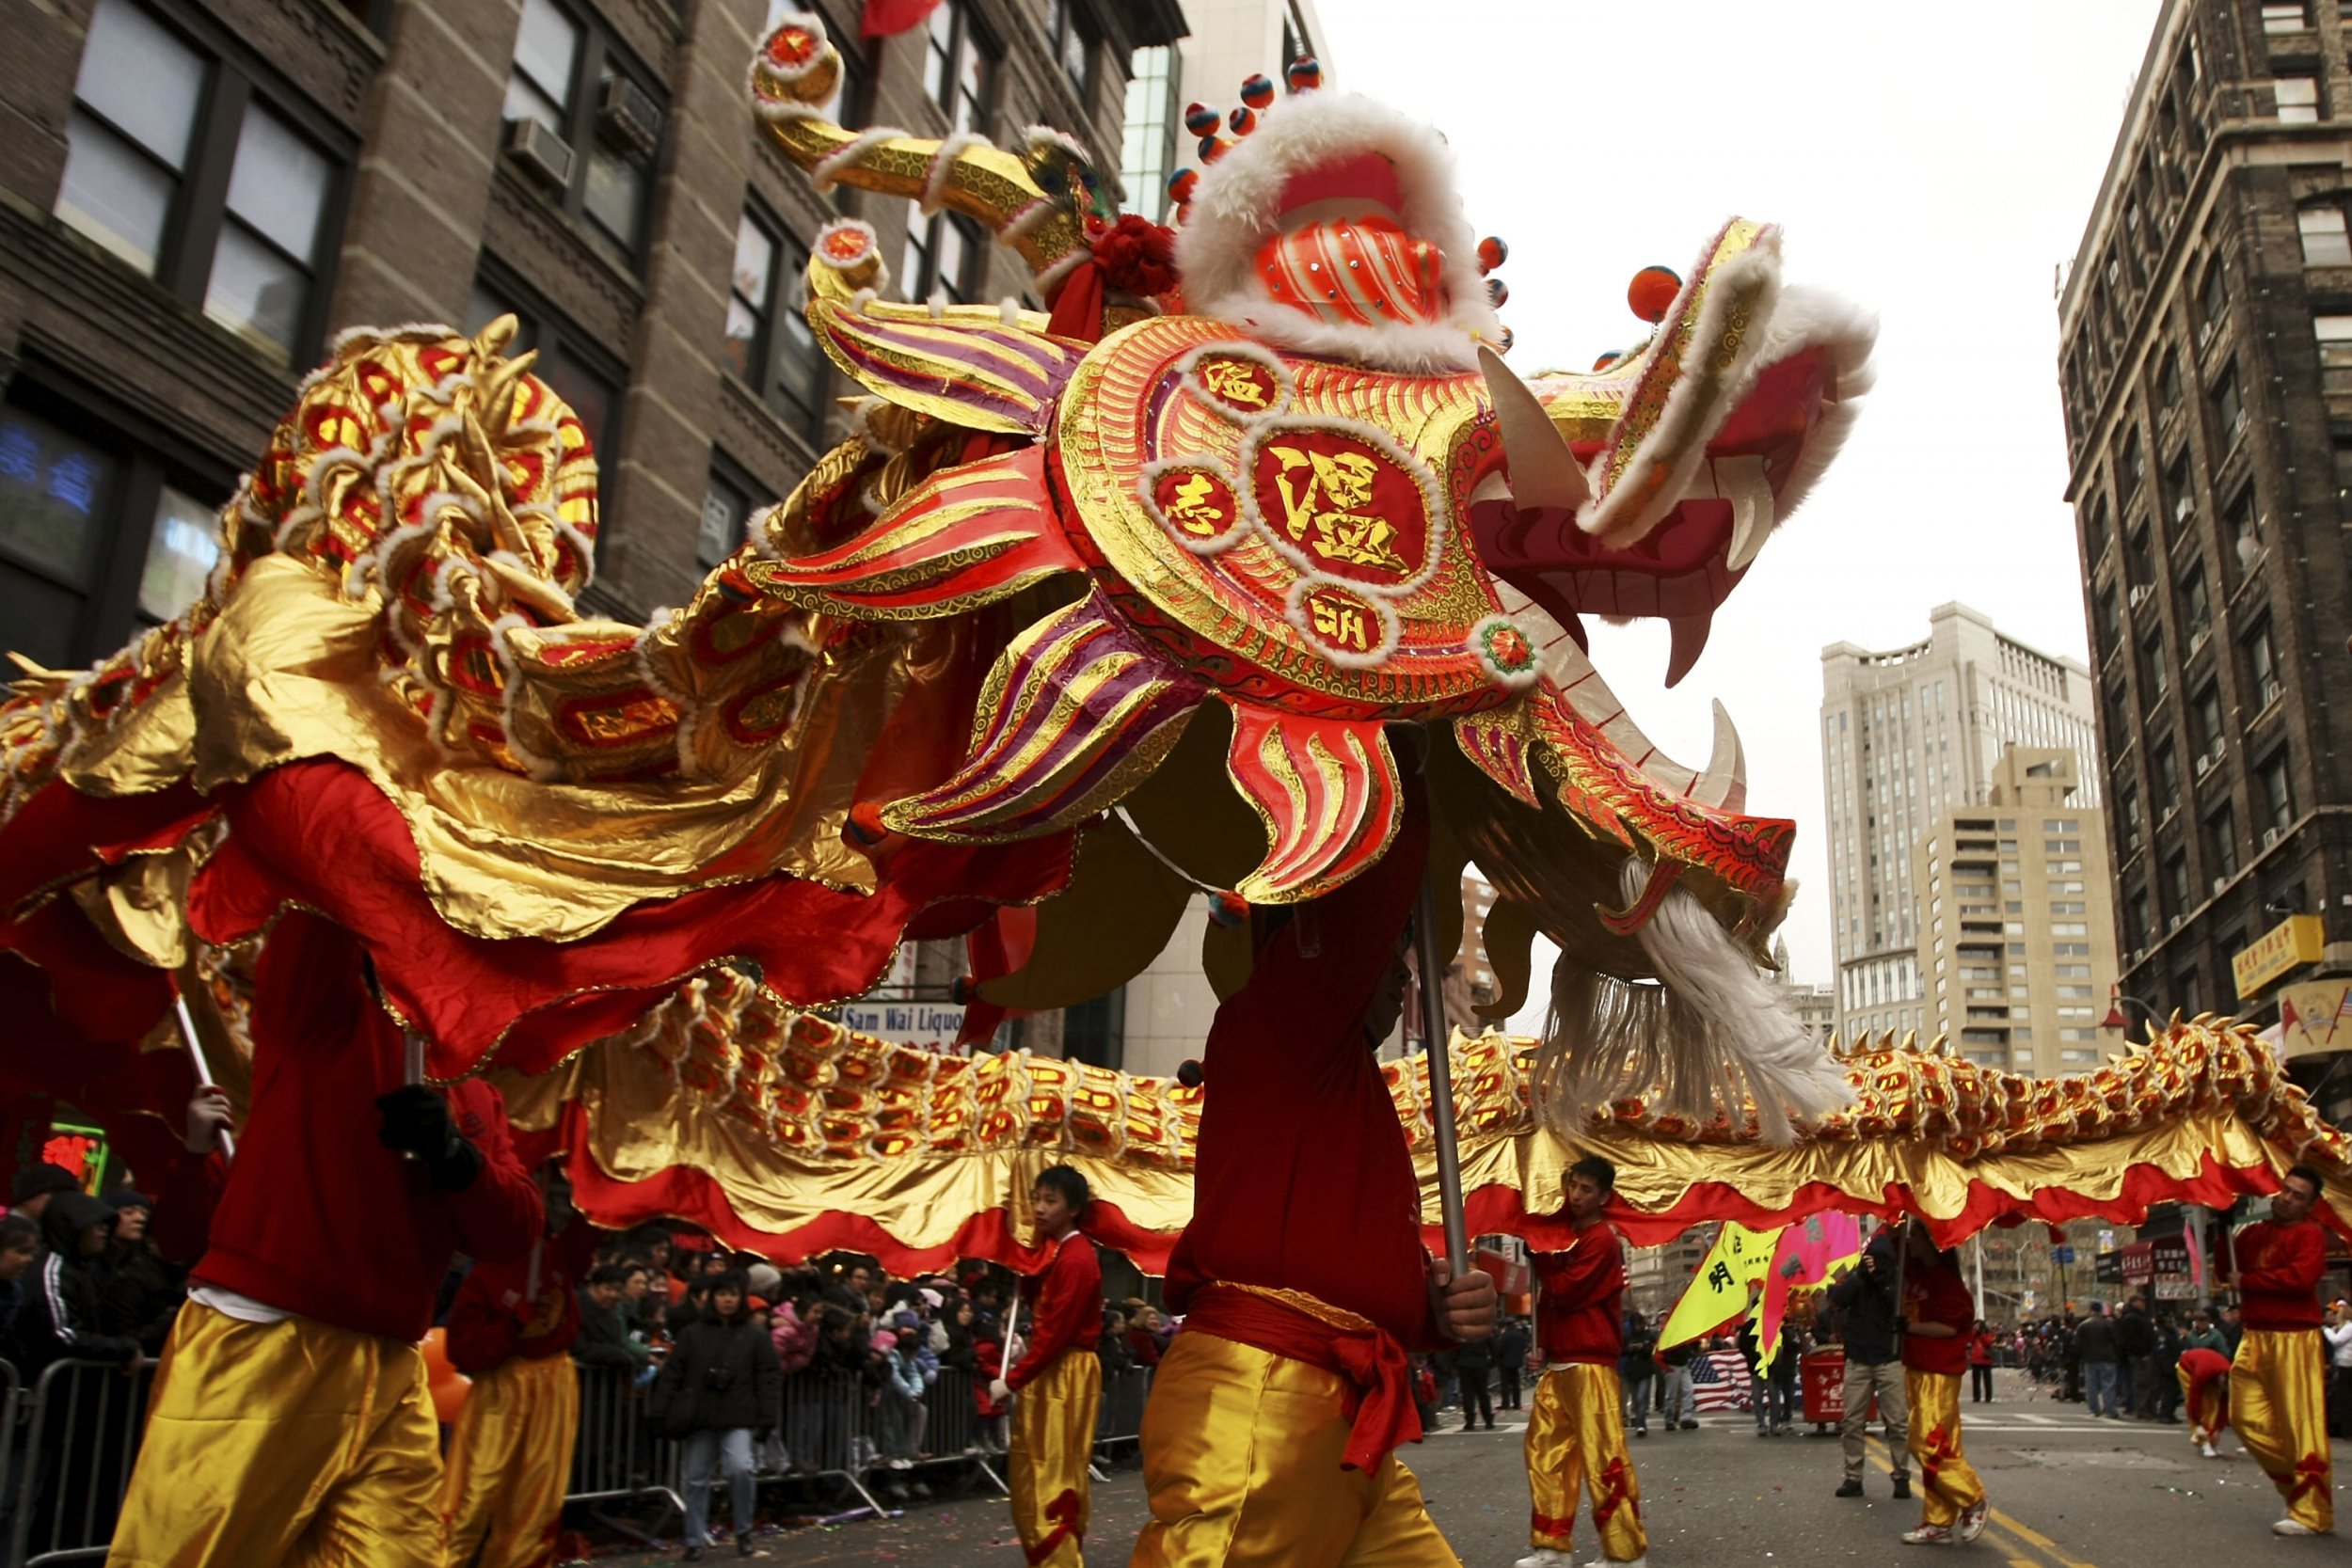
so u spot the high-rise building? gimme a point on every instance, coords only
(2017, 933)
(1907, 736)
(2206, 368)
(201, 193)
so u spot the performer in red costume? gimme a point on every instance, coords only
(290, 1422)
(510, 1454)
(1576, 1433)
(2205, 1376)
(1936, 1316)
(1269, 1441)
(2277, 1389)
(1059, 1380)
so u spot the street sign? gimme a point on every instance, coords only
(2062, 1254)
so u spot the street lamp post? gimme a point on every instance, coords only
(2118, 1020)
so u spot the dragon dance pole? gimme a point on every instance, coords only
(1440, 1039)
(196, 1060)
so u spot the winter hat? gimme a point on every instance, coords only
(123, 1198)
(932, 1299)
(905, 1320)
(883, 1340)
(34, 1180)
(765, 1278)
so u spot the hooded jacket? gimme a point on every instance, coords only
(60, 1318)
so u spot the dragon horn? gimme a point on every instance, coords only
(1033, 201)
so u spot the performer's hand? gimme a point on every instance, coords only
(1467, 1306)
(417, 1121)
(209, 1117)
(998, 1391)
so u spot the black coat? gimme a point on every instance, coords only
(719, 1376)
(1865, 1300)
(59, 1319)
(2094, 1341)
(2134, 1335)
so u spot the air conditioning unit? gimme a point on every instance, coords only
(2218, 883)
(2270, 692)
(2205, 762)
(2198, 640)
(539, 152)
(629, 116)
(2172, 925)
(2140, 591)
(2131, 842)
(2270, 836)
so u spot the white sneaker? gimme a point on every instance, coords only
(1972, 1519)
(2291, 1527)
(1928, 1535)
(2207, 1448)
(2199, 1437)
(1547, 1557)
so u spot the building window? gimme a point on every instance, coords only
(2291, 17)
(2154, 678)
(2324, 243)
(2205, 710)
(2221, 843)
(769, 342)
(154, 121)
(2262, 667)
(2140, 561)
(2229, 410)
(574, 365)
(2178, 492)
(2274, 795)
(597, 120)
(944, 255)
(2176, 887)
(2169, 381)
(959, 67)
(2244, 532)
(2095, 531)
(2334, 336)
(2298, 99)
(2127, 811)
(97, 535)
(1147, 151)
(2137, 927)
(2342, 441)
(2111, 618)
(1096, 1031)
(2212, 303)
(727, 508)
(2168, 767)
(1072, 47)
(2196, 608)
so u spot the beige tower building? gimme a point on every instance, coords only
(1907, 737)
(2017, 933)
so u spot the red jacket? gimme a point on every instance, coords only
(319, 1218)
(1579, 1315)
(2279, 1270)
(1935, 1294)
(494, 1321)
(1066, 1301)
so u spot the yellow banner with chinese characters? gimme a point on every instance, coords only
(2288, 945)
(1719, 1291)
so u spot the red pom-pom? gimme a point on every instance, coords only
(1258, 91)
(1180, 184)
(1652, 293)
(1605, 362)
(1492, 253)
(1243, 119)
(1305, 73)
(1229, 909)
(1200, 118)
(866, 828)
(1498, 293)
(964, 990)
(1138, 256)
(1212, 148)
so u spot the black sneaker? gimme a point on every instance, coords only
(1902, 1488)
(744, 1544)
(1850, 1489)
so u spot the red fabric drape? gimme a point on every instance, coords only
(888, 18)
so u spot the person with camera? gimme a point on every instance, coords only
(1864, 1299)
(720, 1386)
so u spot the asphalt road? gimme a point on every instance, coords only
(2067, 1492)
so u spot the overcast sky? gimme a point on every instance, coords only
(1935, 163)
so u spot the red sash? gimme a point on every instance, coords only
(1364, 1357)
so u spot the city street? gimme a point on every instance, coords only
(2067, 1492)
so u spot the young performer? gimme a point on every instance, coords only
(2277, 1393)
(1938, 1313)
(291, 1422)
(2205, 1376)
(510, 1454)
(1575, 1434)
(1059, 1380)
(1269, 1439)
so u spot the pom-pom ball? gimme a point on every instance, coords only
(1652, 293)
(1229, 909)
(1497, 292)
(1243, 119)
(866, 828)
(1492, 253)
(1200, 118)
(1305, 73)
(1258, 91)
(1180, 184)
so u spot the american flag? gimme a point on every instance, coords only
(1719, 1381)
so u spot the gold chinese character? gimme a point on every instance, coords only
(1233, 382)
(1194, 508)
(1341, 624)
(1326, 514)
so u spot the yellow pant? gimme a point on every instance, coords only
(2279, 1404)
(1241, 1457)
(1576, 1441)
(1045, 1462)
(290, 1444)
(2208, 1408)
(1947, 1482)
(510, 1461)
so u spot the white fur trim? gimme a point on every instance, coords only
(1233, 213)
(1147, 491)
(828, 171)
(1028, 217)
(1433, 496)
(1295, 610)
(1510, 680)
(943, 164)
(808, 20)
(1061, 269)
(1009, 310)
(1035, 137)
(1811, 317)
(1285, 383)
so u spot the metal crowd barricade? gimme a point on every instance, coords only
(616, 1453)
(1125, 1395)
(81, 1438)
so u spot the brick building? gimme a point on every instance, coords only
(2206, 365)
(196, 194)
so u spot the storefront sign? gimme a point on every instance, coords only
(2288, 945)
(928, 1024)
(2314, 1017)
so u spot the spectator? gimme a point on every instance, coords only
(1864, 1297)
(719, 1389)
(1474, 1364)
(20, 1244)
(1637, 1364)
(2203, 1333)
(2095, 1348)
(1510, 1347)
(1425, 1392)
(62, 1319)
(35, 1186)
(1681, 1400)
(2336, 1330)
(2166, 1367)
(605, 1331)
(1771, 1406)
(2135, 1358)
(141, 1293)
(1111, 1348)
(902, 1403)
(1981, 1364)
(1145, 1341)
(795, 1340)
(2232, 1328)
